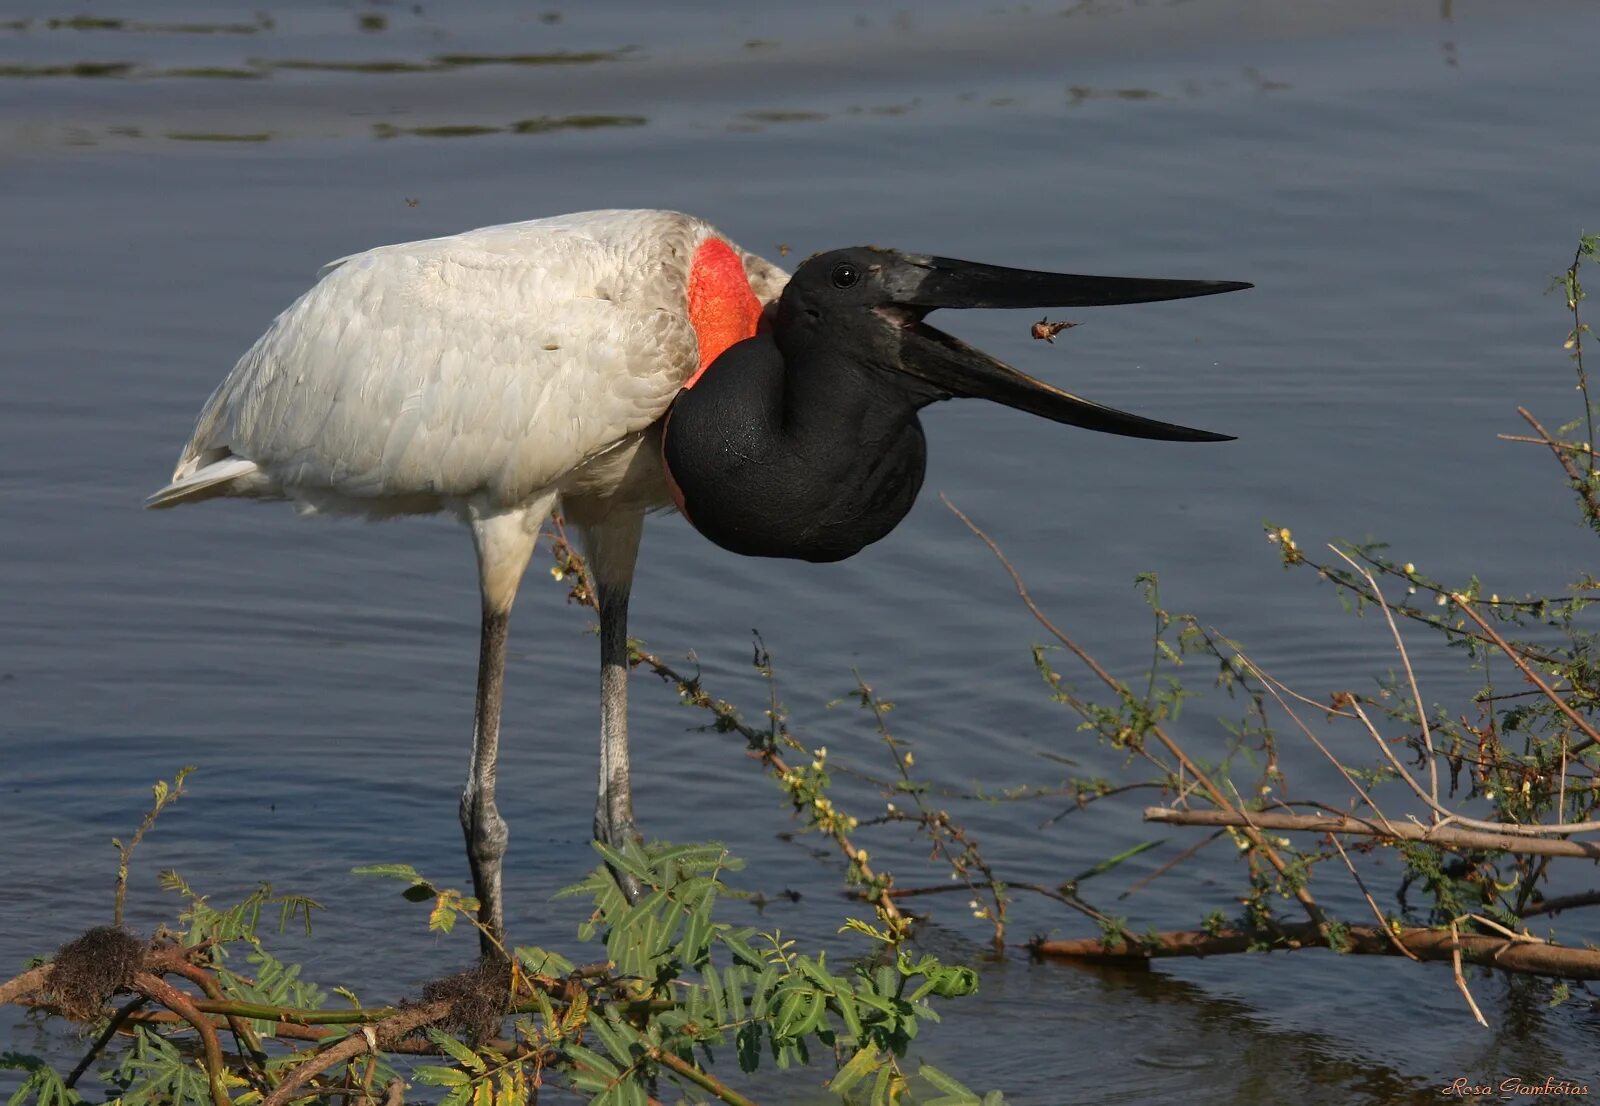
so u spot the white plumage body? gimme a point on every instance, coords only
(491, 365)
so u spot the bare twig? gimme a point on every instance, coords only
(1411, 677)
(1140, 885)
(1552, 443)
(1383, 923)
(118, 1020)
(1448, 836)
(954, 888)
(1533, 676)
(1307, 901)
(937, 824)
(1557, 905)
(164, 796)
(1461, 980)
(1519, 829)
(1273, 687)
(1560, 451)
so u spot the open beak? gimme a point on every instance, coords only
(918, 284)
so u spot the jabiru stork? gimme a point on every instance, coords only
(609, 363)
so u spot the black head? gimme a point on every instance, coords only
(871, 302)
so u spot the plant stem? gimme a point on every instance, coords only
(1447, 836)
(705, 1081)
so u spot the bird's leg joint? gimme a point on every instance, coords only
(486, 832)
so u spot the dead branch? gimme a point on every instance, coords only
(1460, 976)
(1447, 836)
(1372, 903)
(1565, 902)
(175, 1000)
(118, 1020)
(25, 984)
(1533, 677)
(1560, 450)
(1523, 957)
(382, 1035)
(287, 1031)
(1411, 678)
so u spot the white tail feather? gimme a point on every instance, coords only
(203, 483)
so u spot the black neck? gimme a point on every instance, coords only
(810, 456)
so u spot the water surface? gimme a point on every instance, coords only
(1398, 179)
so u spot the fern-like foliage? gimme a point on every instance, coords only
(43, 1085)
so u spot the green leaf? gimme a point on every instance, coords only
(794, 1008)
(738, 943)
(629, 860)
(695, 946)
(597, 1065)
(713, 993)
(880, 1086)
(706, 856)
(442, 919)
(734, 977)
(441, 1077)
(954, 1093)
(612, 1037)
(43, 1083)
(456, 1049)
(846, 1003)
(861, 1065)
(389, 871)
(952, 981)
(1106, 865)
(748, 1041)
(538, 961)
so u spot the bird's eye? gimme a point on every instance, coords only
(845, 275)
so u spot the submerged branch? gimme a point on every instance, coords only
(1529, 957)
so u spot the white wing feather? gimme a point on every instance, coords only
(490, 363)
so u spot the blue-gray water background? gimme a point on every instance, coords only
(1399, 179)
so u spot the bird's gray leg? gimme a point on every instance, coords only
(485, 830)
(613, 811)
(613, 548)
(504, 542)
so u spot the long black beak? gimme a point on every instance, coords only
(918, 284)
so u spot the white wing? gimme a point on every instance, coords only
(491, 363)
